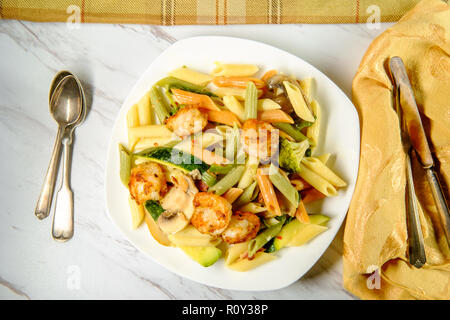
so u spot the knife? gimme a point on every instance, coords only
(419, 140)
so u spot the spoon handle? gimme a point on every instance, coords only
(45, 198)
(62, 229)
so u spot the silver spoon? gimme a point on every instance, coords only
(45, 198)
(62, 228)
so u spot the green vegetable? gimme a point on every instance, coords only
(301, 124)
(222, 169)
(172, 82)
(175, 158)
(251, 101)
(206, 256)
(308, 152)
(282, 183)
(159, 105)
(264, 237)
(228, 181)
(292, 153)
(154, 208)
(209, 178)
(290, 130)
(269, 246)
(246, 196)
(125, 165)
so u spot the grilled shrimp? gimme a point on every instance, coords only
(147, 182)
(187, 121)
(212, 213)
(259, 138)
(243, 226)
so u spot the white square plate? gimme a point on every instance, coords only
(339, 136)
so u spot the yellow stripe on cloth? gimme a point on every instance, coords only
(185, 12)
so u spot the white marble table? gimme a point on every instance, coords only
(99, 263)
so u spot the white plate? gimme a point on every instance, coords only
(339, 136)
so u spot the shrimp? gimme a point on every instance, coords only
(147, 182)
(259, 138)
(187, 121)
(243, 227)
(212, 213)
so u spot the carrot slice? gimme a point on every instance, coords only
(275, 116)
(222, 116)
(191, 98)
(268, 192)
(301, 213)
(238, 82)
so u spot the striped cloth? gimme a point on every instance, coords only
(211, 12)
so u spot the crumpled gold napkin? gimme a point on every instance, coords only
(375, 232)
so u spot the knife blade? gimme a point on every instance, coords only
(418, 139)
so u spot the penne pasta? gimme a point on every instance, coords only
(233, 104)
(239, 93)
(189, 75)
(300, 184)
(298, 102)
(132, 121)
(232, 194)
(145, 143)
(253, 207)
(260, 258)
(191, 98)
(312, 132)
(224, 116)
(249, 174)
(267, 104)
(251, 101)
(322, 170)
(268, 193)
(159, 105)
(144, 110)
(238, 70)
(234, 252)
(282, 183)
(311, 195)
(137, 213)
(237, 82)
(317, 181)
(307, 87)
(275, 116)
(246, 196)
(324, 157)
(301, 213)
(133, 117)
(228, 181)
(151, 131)
(268, 75)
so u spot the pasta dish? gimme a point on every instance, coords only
(223, 164)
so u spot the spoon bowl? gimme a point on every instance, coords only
(66, 103)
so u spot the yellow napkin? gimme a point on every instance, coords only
(375, 232)
(178, 12)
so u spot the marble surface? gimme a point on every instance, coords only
(99, 263)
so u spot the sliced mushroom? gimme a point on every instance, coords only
(276, 81)
(171, 223)
(178, 205)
